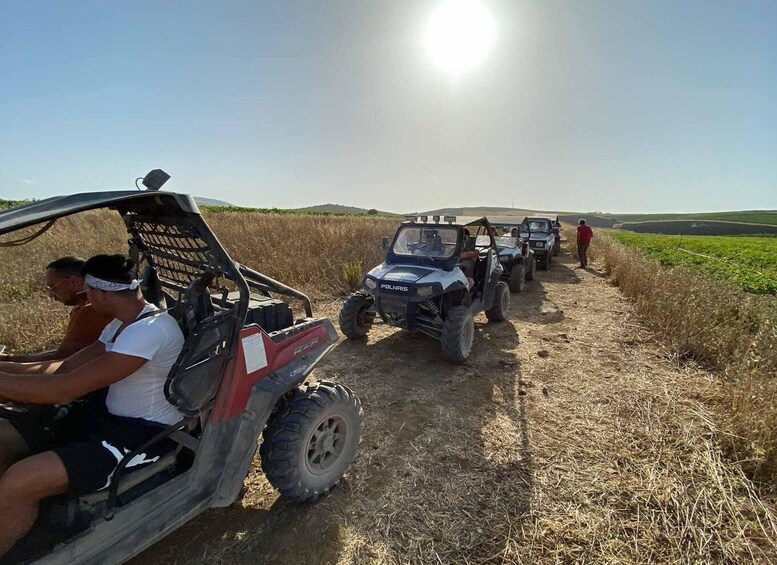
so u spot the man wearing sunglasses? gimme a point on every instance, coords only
(65, 284)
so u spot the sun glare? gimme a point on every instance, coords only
(459, 34)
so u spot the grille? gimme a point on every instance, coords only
(180, 252)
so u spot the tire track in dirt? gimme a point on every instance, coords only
(568, 436)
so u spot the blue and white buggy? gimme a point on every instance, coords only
(425, 284)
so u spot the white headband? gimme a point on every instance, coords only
(110, 286)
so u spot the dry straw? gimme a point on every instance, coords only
(721, 327)
(322, 255)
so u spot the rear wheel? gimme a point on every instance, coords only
(458, 334)
(498, 311)
(517, 278)
(311, 439)
(355, 316)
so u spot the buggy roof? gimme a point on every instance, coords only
(506, 220)
(61, 206)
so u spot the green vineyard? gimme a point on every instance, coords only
(748, 262)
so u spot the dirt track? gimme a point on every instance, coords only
(568, 436)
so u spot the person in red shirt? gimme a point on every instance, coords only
(584, 236)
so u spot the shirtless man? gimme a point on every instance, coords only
(65, 284)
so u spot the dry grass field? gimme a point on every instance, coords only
(720, 326)
(573, 435)
(321, 255)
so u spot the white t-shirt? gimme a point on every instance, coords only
(158, 339)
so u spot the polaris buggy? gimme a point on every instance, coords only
(515, 254)
(425, 285)
(240, 374)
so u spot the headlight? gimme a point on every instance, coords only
(369, 283)
(539, 244)
(424, 291)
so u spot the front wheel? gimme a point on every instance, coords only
(498, 310)
(544, 262)
(458, 334)
(517, 278)
(355, 316)
(311, 439)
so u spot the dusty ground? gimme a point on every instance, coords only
(570, 436)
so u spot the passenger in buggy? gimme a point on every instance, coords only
(78, 453)
(467, 259)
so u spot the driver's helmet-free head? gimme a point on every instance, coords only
(514, 232)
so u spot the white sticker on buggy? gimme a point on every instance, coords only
(254, 353)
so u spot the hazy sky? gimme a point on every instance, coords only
(578, 105)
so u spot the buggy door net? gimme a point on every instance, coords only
(175, 247)
(192, 268)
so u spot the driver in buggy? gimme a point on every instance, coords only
(431, 243)
(78, 453)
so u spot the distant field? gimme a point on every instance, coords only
(748, 262)
(749, 217)
(698, 227)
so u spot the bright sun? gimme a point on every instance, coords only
(459, 34)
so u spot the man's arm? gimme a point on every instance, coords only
(65, 350)
(66, 387)
(49, 367)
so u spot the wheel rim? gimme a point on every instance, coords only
(364, 318)
(467, 337)
(326, 444)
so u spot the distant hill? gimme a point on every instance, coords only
(202, 201)
(340, 209)
(489, 210)
(754, 218)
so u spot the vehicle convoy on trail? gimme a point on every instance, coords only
(241, 374)
(542, 233)
(515, 254)
(437, 274)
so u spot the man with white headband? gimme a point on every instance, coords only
(132, 357)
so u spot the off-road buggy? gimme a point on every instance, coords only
(240, 375)
(425, 285)
(542, 235)
(515, 254)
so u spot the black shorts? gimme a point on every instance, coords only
(91, 443)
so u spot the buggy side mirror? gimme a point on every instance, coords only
(384, 244)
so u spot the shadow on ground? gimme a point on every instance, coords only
(444, 469)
